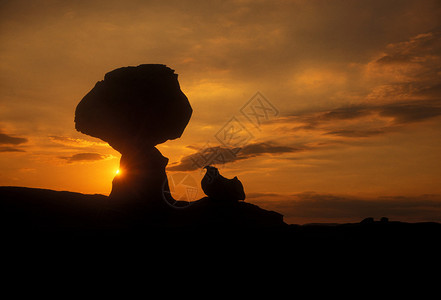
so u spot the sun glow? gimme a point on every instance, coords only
(118, 172)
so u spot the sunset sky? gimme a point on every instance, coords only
(337, 104)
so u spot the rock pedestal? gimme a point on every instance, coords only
(142, 180)
(134, 109)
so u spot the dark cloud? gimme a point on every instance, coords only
(431, 91)
(6, 139)
(11, 149)
(402, 112)
(411, 112)
(257, 149)
(355, 133)
(203, 157)
(222, 155)
(84, 157)
(395, 115)
(345, 113)
(314, 207)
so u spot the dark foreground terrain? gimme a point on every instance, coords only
(44, 216)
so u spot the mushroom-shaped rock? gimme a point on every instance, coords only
(217, 187)
(134, 109)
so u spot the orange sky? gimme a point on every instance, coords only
(352, 90)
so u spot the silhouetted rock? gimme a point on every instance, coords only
(220, 188)
(134, 109)
(367, 221)
(384, 220)
(207, 214)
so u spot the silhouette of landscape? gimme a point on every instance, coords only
(47, 215)
(151, 109)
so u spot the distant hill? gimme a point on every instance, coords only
(37, 211)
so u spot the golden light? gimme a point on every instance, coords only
(117, 172)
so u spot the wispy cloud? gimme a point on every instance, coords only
(12, 143)
(410, 112)
(6, 139)
(344, 123)
(75, 142)
(405, 90)
(355, 133)
(11, 149)
(85, 157)
(408, 69)
(222, 155)
(364, 120)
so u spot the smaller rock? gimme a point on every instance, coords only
(217, 187)
(384, 220)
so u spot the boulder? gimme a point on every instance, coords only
(134, 109)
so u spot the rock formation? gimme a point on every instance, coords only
(134, 109)
(220, 188)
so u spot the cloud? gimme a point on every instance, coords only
(231, 49)
(365, 120)
(257, 149)
(355, 133)
(311, 207)
(222, 155)
(84, 157)
(401, 112)
(406, 89)
(345, 113)
(416, 50)
(11, 149)
(11, 142)
(411, 112)
(74, 142)
(408, 69)
(6, 139)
